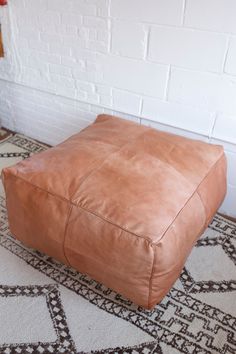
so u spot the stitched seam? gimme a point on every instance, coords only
(108, 158)
(151, 277)
(204, 207)
(110, 222)
(152, 274)
(65, 232)
(192, 195)
(78, 206)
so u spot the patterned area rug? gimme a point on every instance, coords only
(46, 307)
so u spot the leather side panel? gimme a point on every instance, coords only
(112, 256)
(36, 218)
(213, 188)
(173, 249)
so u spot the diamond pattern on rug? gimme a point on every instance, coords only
(64, 342)
(220, 247)
(145, 348)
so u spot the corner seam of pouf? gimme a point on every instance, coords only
(151, 277)
(85, 209)
(192, 195)
(197, 190)
(38, 187)
(104, 219)
(65, 233)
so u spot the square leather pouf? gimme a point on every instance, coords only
(119, 201)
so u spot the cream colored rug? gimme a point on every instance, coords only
(46, 307)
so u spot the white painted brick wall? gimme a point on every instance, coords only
(230, 66)
(133, 75)
(215, 93)
(128, 39)
(170, 64)
(212, 15)
(189, 118)
(182, 47)
(153, 11)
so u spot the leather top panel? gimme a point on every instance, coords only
(132, 176)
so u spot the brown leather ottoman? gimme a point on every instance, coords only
(121, 202)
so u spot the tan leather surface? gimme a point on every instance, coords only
(121, 202)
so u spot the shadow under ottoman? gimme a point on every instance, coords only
(121, 202)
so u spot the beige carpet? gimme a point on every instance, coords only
(46, 307)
